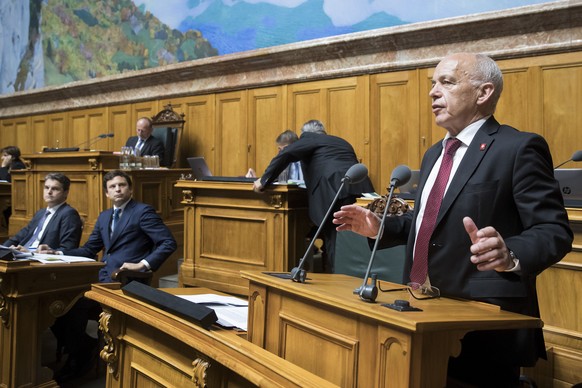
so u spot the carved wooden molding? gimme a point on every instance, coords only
(168, 116)
(111, 348)
(4, 308)
(199, 372)
(93, 164)
(57, 308)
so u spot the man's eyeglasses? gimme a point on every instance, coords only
(418, 291)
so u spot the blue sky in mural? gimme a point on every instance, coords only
(240, 25)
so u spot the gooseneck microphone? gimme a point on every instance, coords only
(355, 174)
(576, 157)
(369, 292)
(96, 139)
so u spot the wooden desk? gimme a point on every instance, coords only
(363, 344)
(86, 169)
(5, 199)
(32, 296)
(228, 228)
(147, 347)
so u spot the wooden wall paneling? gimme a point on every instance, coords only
(347, 101)
(231, 132)
(22, 203)
(516, 104)
(562, 116)
(306, 101)
(267, 107)
(58, 134)
(426, 118)
(121, 123)
(198, 138)
(39, 132)
(395, 124)
(85, 125)
(16, 132)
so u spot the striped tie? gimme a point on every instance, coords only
(419, 270)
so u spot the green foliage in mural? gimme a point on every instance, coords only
(85, 39)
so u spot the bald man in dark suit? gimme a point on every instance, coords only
(500, 223)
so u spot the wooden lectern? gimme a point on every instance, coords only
(228, 228)
(323, 327)
(32, 296)
(149, 347)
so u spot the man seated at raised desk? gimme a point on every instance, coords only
(57, 225)
(145, 143)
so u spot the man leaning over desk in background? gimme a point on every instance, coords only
(501, 222)
(293, 171)
(57, 225)
(325, 159)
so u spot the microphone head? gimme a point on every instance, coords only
(356, 173)
(400, 176)
(102, 136)
(110, 134)
(577, 156)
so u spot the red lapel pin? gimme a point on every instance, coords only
(483, 146)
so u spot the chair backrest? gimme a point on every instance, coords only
(168, 137)
(168, 126)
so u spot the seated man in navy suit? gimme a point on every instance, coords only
(57, 225)
(131, 236)
(145, 142)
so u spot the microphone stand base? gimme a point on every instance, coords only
(298, 275)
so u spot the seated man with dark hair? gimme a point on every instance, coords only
(57, 225)
(132, 236)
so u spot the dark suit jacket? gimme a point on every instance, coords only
(505, 180)
(152, 146)
(5, 173)
(140, 234)
(62, 232)
(324, 162)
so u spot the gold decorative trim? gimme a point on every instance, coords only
(93, 165)
(187, 196)
(276, 201)
(109, 351)
(199, 372)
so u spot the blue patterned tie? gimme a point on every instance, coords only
(34, 237)
(116, 214)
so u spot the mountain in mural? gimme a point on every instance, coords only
(266, 25)
(86, 39)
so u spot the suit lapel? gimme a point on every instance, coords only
(480, 145)
(123, 221)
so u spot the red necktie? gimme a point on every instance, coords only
(433, 204)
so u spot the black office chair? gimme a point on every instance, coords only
(168, 126)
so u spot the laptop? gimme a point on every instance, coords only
(570, 180)
(408, 190)
(201, 172)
